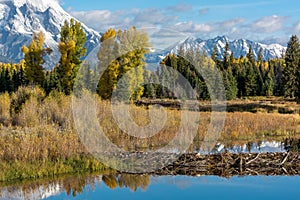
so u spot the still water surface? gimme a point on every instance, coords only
(164, 187)
(206, 187)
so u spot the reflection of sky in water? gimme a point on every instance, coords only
(262, 147)
(206, 187)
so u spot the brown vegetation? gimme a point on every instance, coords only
(35, 128)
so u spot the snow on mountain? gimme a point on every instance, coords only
(20, 18)
(239, 47)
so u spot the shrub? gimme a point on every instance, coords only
(23, 94)
(24, 106)
(4, 109)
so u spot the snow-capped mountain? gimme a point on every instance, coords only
(239, 47)
(20, 18)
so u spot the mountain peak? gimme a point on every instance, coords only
(40, 5)
(239, 47)
(20, 18)
(222, 38)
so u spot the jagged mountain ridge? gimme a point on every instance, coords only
(239, 47)
(20, 18)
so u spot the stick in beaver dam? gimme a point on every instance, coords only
(232, 164)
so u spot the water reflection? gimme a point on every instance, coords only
(110, 186)
(286, 145)
(131, 181)
(292, 144)
(250, 147)
(73, 186)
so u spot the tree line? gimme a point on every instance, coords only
(30, 70)
(242, 77)
(123, 52)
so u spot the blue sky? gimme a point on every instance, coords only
(258, 20)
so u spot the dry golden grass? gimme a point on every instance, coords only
(34, 127)
(239, 126)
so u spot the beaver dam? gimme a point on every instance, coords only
(237, 168)
(231, 164)
(220, 164)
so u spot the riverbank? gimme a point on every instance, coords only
(12, 171)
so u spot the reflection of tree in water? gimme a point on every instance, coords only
(71, 185)
(76, 185)
(292, 144)
(134, 181)
(131, 181)
(249, 146)
(110, 181)
(40, 189)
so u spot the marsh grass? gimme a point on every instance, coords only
(38, 136)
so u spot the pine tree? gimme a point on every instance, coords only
(269, 84)
(277, 66)
(260, 57)
(215, 54)
(250, 81)
(291, 77)
(34, 59)
(250, 56)
(259, 82)
(226, 56)
(230, 84)
(149, 91)
(231, 59)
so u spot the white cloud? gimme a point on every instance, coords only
(241, 5)
(296, 27)
(235, 28)
(181, 7)
(269, 24)
(153, 17)
(191, 27)
(101, 20)
(230, 23)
